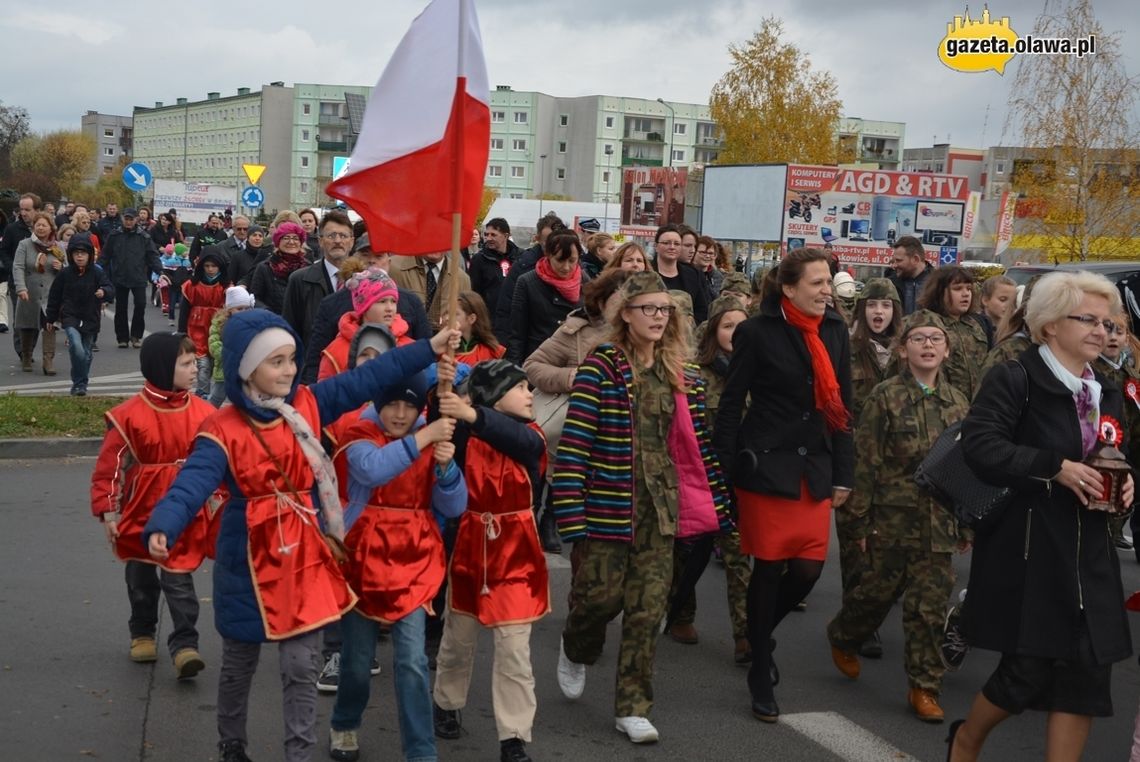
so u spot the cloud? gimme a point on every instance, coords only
(91, 31)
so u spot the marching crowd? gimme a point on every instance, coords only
(355, 465)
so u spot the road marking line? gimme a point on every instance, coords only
(843, 737)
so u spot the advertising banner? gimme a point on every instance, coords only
(859, 214)
(651, 197)
(193, 201)
(1005, 222)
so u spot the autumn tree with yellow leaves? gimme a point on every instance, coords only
(1079, 181)
(772, 107)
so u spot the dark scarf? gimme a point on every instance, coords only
(282, 264)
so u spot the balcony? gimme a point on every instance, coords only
(336, 146)
(644, 137)
(710, 140)
(629, 161)
(332, 120)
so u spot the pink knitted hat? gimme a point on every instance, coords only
(287, 228)
(369, 287)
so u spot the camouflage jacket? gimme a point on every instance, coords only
(866, 374)
(968, 349)
(898, 425)
(1131, 423)
(1009, 348)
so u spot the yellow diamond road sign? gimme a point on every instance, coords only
(253, 172)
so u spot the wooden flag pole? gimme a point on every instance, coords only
(453, 263)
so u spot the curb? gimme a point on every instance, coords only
(60, 447)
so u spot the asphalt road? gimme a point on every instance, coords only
(68, 690)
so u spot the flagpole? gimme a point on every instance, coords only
(456, 182)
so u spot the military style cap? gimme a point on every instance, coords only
(879, 288)
(490, 380)
(737, 283)
(923, 319)
(683, 300)
(647, 282)
(725, 303)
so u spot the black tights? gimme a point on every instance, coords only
(774, 590)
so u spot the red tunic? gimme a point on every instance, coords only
(149, 438)
(205, 300)
(336, 432)
(334, 357)
(478, 353)
(498, 571)
(396, 556)
(297, 582)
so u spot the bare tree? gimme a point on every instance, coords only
(14, 127)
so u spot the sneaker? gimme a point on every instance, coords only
(94, 347)
(954, 646)
(343, 745)
(188, 663)
(374, 667)
(513, 750)
(123, 345)
(1123, 542)
(447, 723)
(3, 328)
(639, 729)
(136, 343)
(232, 751)
(143, 650)
(330, 675)
(571, 676)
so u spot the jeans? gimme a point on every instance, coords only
(205, 372)
(409, 669)
(144, 582)
(138, 316)
(79, 347)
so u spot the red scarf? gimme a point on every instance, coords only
(282, 263)
(827, 398)
(569, 287)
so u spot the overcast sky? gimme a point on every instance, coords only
(112, 56)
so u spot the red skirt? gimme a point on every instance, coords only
(775, 528)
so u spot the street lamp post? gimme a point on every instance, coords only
(672, 121)
(241, 209)
(609, 150)
(541, 180)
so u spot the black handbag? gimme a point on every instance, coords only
(946, 476)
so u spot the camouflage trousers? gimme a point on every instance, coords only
(924, 580)
(737, 572)
(629, 579)
(852, 561)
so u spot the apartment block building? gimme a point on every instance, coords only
(113, 136)
(871, 142)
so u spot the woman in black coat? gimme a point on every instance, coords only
(1045, 586)
(269, 278)
(789, 452)
(546, 295)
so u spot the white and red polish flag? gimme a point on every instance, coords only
(422, 151)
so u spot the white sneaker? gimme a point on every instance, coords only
(571, 676)
(639, 729)
(343, 745)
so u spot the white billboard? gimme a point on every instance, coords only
(744, 202)
(193, 201)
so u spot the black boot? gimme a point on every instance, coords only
(232, 751)
(513, 750)
(548, 533)
(446, 722)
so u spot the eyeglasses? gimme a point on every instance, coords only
(651, 310)
(336, 236)
(935, 339)
(1091, 322)
(290, 239)
(240, 230)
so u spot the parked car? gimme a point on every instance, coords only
(1126, 276)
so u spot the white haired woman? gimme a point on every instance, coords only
(1045, 587)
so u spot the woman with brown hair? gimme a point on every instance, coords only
(950, 293)
(600, 249)
(629, 256)
(545, 296)
(38, 260)
(478, 342)
(705, 262)
(783, 433)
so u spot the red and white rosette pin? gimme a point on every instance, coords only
(1110, 431)
(1132, 391)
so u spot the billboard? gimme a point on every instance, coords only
(193, 201)
(860, 213)
(744, 202)
(651, 197)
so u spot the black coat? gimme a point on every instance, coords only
(537, 312)
(327, 322)
(14, 232)
(267, 288)
(72, 301)
(163, 237)
(909, 288)
(782, 439)
(130, 257)
(303, 294)
(505, 301)
(486, 272)
(693, 283)
(1046, 556)
(243, 262)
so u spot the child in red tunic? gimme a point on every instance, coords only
(498, 576)
(148, 437)
(205, 296)
(479, 342)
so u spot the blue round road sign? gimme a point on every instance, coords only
(252, 197)
(137, 176)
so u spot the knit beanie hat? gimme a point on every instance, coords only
(158, 356)
(263, 344)
(412, 390)
(369, 287)
(490, 380)
(370, 336)
(287, 228)
(238, 297)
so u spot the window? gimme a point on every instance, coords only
(562, 146)
(678, 156)
(518, 172)
(518, 144)
(606, 176)
(1000, 167)
(304, 186)
(563, 120)
(498, 116)
(108, 151)
(304, 161)
(516, 195)
(608, 148)
(306, 109)
(679, 128)
(107, 170)
(522, 117)
(560, 174)
(494, 170)
(108, 132)
(496, 144)
(609, 122)
(304, 135)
